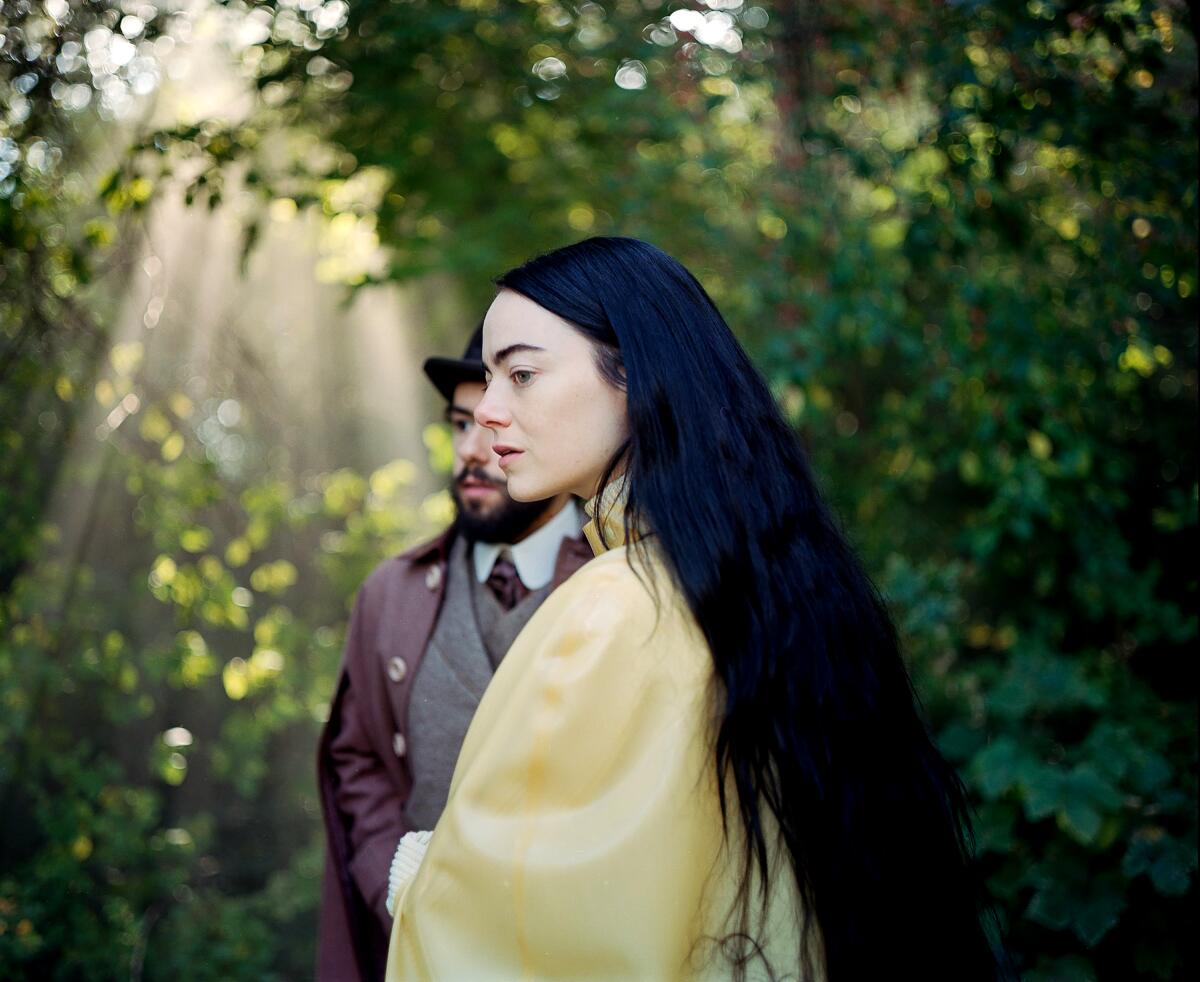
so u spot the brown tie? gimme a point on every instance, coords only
(506, 585)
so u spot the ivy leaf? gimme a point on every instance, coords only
(1070, 968)
(995, 828)
(1002, 765)
(1043, 793)
(1090, 910)
(959, 741)
(1047, 683)
(1081, 820)
(1051, 907)
(1168, 861)
(1100, 913)
(1079, 798)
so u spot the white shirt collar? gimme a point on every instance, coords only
(535, 555)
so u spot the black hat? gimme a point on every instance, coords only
(446, 373)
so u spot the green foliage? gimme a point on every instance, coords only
(53, 239)
(200, 657)
(521, 124)
(992, 354)
(959, 238)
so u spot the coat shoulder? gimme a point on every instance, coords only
(396, 567)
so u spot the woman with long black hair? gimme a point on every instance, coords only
(702, 757)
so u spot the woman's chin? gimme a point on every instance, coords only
(527, 487)
(526, 490)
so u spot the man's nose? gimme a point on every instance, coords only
(477, 444)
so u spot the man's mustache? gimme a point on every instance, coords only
(477, 474)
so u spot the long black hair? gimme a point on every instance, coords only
(819, 721)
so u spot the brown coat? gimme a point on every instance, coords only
(362, 768)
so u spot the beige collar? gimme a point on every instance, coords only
(606, 530)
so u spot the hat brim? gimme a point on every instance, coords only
(446, 374)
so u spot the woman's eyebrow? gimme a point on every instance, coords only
(505, 353)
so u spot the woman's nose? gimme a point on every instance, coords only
(490, 412)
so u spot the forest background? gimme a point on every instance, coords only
(959, 238)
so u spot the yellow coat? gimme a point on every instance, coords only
(582, 838)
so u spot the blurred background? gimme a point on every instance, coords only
(959, 238)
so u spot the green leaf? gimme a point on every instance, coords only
(1168, 861)
(995, 828)
(1071, 968)
(1000, 766)
(1051, 907)
(1043, 788)
(1100, 912)
(1081, 820)
(1090, 909)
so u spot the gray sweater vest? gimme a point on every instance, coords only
(471, 636)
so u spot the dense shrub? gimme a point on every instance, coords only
(961, 241)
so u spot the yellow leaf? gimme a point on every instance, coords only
(235, 678)
(282, 210)
(195, 539)
(1135, 359)
(155, 426)
(389, 478)
(1039, 444)
(1068, 227)
(970, 469)
(581, 217)
(441, 448)
(163, 572)
(126, 358)
(978, 635)
(888, 233)
(172, 447)
(106, 395)
(237, 553)
(772, 226)
(882, 198)
(268, 661)
(438, 508)
(140, 189)
(181, 405)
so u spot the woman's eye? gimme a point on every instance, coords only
(522, 376)
(461, 425)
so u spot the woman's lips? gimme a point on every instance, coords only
(507, 455)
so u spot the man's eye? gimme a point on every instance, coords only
(522, 376)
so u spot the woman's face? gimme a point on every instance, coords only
(555, 421)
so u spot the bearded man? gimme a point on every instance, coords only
(429, 628)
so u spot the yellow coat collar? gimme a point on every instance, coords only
(606, 511)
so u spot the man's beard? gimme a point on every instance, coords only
(506, 522)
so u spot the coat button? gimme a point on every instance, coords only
(399, 744)
(397, 669)
(433, 578)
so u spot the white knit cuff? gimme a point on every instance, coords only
(405, 864)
